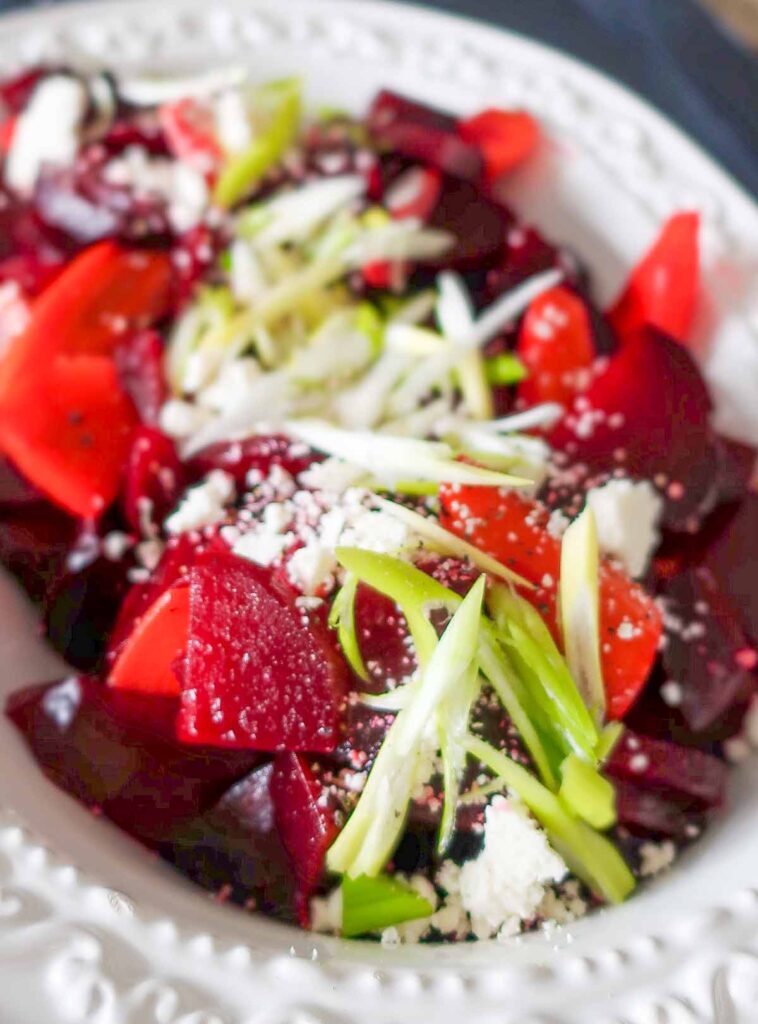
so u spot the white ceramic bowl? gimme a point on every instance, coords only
(93, 931)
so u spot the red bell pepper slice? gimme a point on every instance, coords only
(556, 345)
(104, 293)
(68, 430)
(505, 138)
(662, 289)
(146, 660)
(515, 532)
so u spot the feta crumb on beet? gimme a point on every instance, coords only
(204, 504)
(627, 515)
(506, 882)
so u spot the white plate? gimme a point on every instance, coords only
(117, 938)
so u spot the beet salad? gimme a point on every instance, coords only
(407, 593)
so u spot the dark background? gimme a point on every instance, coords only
(672, 52)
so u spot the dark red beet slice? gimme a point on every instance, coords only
(258, 674)
(15, 491)
(647, 416)
(479, 226)
(234, 850)
(423, 133)
(179, 555)
(706, 650)
(141, 129)
(730, 556)
(305, 822)
(139, 360)
(16, 92)
(238, 458)
(383, 639)
(738, 464)
(662, 766)
(82, 604)
(153, 479)
(644, 811)
(526, 253)
(115, 751)
(34, 541)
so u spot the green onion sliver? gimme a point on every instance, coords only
(587, 793)
(342, 616)
(406, 756)
(505, 369)
(373, 904)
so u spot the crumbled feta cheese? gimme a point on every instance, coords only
(181, 419)
(181, 186)
(507, 880)
(115, 545)
(230, 388)
(326, 912)
(311, 566)
(563, 904)
(377, 531)
(331, 475)
(47, 131)
(627, 514)
(656, 857)
(204, 504)
(148, 553)
(232, 121)
(262, 547)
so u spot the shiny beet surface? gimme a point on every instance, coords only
(115, 752)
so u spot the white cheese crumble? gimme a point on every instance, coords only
(656, 857)
(262, 547)
(232, 121)
(180, 419)
(627, 515)
(181, 186)
(311, 566)
(204, 504)
(505, 884)
(47, 132)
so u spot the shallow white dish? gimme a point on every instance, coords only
(92, 931)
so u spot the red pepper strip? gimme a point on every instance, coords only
(505, 138)
(514, 531)
(556, 345)
(158, 639)
(105, 292)
(67, 427)
(662, 289)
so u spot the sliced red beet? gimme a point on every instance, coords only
(15, 92)
(179, 555)
(259, 673)
(115, 752)
(234, 849)
(82, 604)
(194, 254)
(34, 541)
(423, 133)
(647, 416)
(738, 465)
(15, 491)
(305, 823)
(706, 652)
(153, 479)
(139, 361)
(662, 766)
(644, 811)
(478, 225)
(730, 556)
(238, 458)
